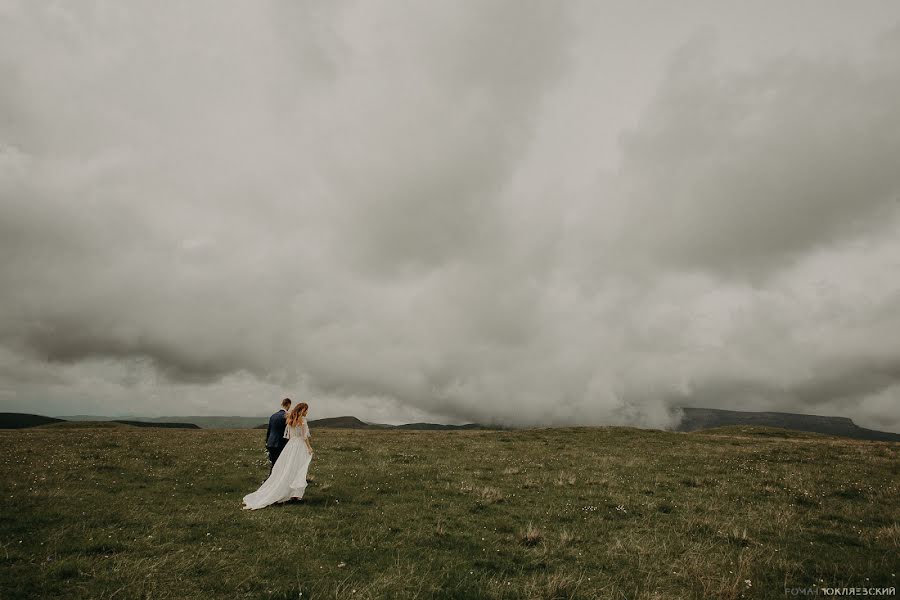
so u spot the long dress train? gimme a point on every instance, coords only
(288, 477)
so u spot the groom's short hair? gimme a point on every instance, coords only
(286, 402)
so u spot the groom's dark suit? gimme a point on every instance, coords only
(275, 441)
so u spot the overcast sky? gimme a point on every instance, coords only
(528, 213)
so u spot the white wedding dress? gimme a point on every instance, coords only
(288, 478)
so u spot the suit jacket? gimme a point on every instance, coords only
(275, 432)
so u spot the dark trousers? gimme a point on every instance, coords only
(274, 453)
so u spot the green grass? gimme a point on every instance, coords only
(557, 513)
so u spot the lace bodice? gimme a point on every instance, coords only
(297, 431)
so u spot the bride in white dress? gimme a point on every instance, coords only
(288, 478)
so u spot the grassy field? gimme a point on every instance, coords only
(122, 512)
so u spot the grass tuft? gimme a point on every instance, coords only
(531, 535)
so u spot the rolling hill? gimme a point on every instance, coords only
(696, 419)
(23, 420)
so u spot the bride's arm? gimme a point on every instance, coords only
(305, 432)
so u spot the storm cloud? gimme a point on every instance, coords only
(488, 211)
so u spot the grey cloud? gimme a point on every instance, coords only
(743, 172)
(393, 207)
(457, 108)
(178, 360)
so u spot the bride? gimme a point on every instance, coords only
(288, 478)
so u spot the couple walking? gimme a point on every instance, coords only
(287, 441)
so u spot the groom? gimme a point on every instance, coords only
(275, 441)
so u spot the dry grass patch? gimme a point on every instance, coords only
(554, 586)
(565, 479)
(490, 495)
(888, 536)
(531, 535)
(530, 483)
(566, 537)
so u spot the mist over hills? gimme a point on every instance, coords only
(349, 422)
(238, 422)
(692, 419)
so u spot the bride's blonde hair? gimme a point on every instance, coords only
(293, 417)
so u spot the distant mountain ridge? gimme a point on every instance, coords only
(349, 422)
(693, 419)
(226, 422)
(696, 419)
(166, 425)
(25, 420)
